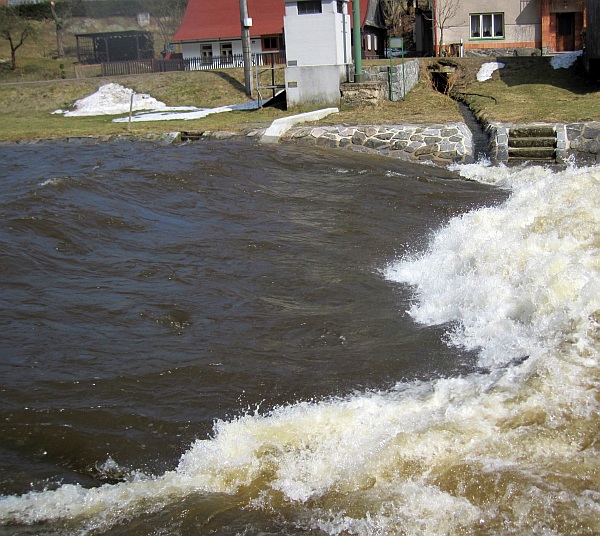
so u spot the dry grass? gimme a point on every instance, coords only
(26, 109)
(529, 90)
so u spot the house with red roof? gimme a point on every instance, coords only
(211, 28)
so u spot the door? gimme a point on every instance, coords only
(565, 32)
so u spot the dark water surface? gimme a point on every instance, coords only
(149, 290)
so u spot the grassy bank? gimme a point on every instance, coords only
(526, 90)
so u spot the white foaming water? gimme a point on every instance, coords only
(511, 449)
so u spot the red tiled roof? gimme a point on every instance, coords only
(215, 19)
(220, 19)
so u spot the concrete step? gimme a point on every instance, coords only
(531, 142)
(533, 131)
(532, 153)
(191, 135)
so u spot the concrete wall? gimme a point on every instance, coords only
(317, 85)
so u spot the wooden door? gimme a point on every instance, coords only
(565, 32)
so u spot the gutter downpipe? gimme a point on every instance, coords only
(435, 40)
(358, 72)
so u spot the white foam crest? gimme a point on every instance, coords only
(517, 277)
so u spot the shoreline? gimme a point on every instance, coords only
(437, 144)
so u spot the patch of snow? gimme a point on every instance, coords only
(564, 60)
(185, 113)
(487, 70)
(112, 99)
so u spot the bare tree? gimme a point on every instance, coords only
(168, 15)
(393, 14)
(16, 30)
(62, 11)
(443, 12)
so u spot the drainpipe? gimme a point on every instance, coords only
(434, 23)
(358, 72)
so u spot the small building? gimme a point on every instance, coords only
(114, 46)
(317, 36)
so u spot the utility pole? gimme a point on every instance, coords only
(358, 72)
(246, 49)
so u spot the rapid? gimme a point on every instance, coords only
(325, 343)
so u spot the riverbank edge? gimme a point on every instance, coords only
(439, 144)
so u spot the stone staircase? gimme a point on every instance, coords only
(532, 142)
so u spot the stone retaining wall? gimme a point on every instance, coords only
(579, 142)
(583, 142)
(401, 83)
(438, 143)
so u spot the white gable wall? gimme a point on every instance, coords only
(317, 38)
(194, 50)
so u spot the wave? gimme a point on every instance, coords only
(509, 448)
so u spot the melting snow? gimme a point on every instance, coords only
(487, 70)
(114, 99)
(564, 60)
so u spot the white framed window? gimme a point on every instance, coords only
(206, 53)
(487, 26)
(309, 7)
(226, 49)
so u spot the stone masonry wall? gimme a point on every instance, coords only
(583, 141)
(438, 143)
(400, 83)
(577, 141)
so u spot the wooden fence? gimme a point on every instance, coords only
(116, 68)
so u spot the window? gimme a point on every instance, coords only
(270, 43)
(487, 26)
(226, 52)
(206, 53)
(340, 6)
(309, 7)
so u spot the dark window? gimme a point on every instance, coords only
(270, 43)
(309, 7)
(340, 7)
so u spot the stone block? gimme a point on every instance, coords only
(359, 138)
(425, 149)
(591, 132)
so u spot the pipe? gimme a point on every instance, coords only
(358, 72)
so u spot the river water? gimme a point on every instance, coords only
(226, 338)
